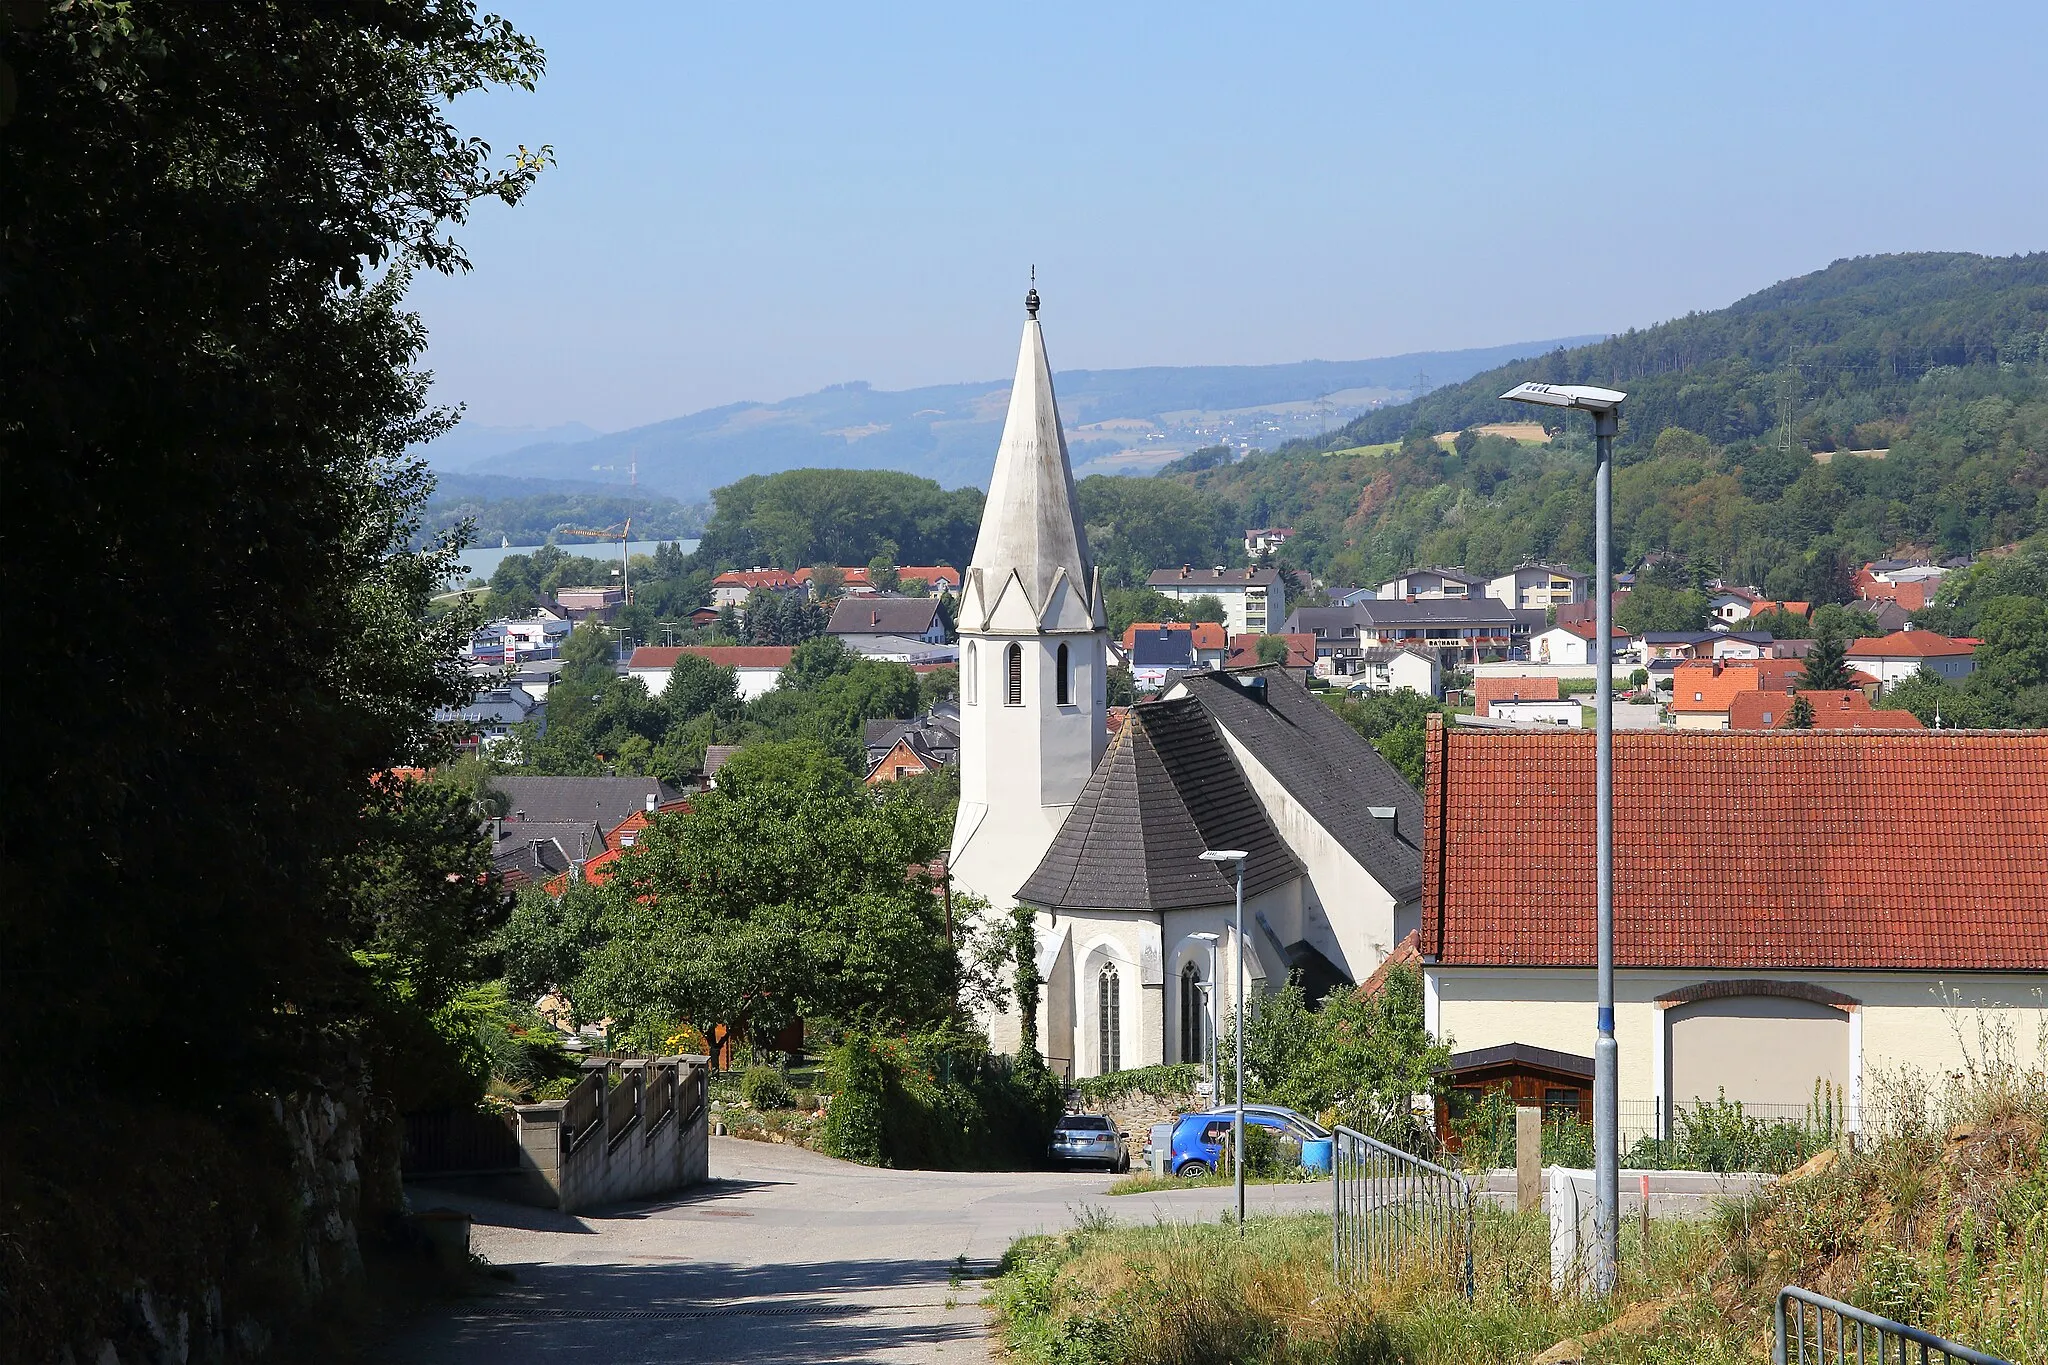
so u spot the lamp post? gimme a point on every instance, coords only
(1605, 407)
(1210, 1009)
(1234, 855)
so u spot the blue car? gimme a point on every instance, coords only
(1198, 1140)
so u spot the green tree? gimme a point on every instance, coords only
(1396, 722)
(1126, 606)
(1827, 666)
(1356, 1058)
(1208, 607)
(1650, 606)
(1799, 715)
(696, 686)
(882, 568)
(1273, 649)
(788, 887)
(1122, 689)
(212, 385)
(827, 581)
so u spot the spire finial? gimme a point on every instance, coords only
(1031, 299)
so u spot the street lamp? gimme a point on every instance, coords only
(1212, 1006)
(1605, 405)
(1235, 855)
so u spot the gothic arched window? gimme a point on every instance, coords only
(1193, 1034)
(1014, 683)
(970, 677)
(1109, 1022)
(1063, 691)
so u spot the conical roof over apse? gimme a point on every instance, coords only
(1031, 524)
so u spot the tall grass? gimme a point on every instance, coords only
(1939, 1217)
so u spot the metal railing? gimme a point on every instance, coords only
(1855, 1329)
(1391, 1210)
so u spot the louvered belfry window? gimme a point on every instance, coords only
(1014, 684)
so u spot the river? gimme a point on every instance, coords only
(482, 560)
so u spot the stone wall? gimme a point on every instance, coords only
(1137, 1111)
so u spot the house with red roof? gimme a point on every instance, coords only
(1898, 656)
(1207, 640)
(1770, 936)
(1849, 709)
(735, 586)
(757, 668)
(1573, 643)
(1244, 652)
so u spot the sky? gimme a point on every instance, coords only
(752, 202)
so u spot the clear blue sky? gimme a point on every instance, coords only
(754, 201)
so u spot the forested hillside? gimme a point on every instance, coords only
(1736, 440)
(529, 511)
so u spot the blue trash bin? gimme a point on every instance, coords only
(1315, 1155)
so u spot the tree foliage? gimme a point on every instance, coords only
(1355, 1058)
(206, 232)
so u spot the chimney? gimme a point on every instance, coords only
(1221, 570)
(519, 815)
(652, 801)
(1390, 816)
(497, 829)
(1184, 570)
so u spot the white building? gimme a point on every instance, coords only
(1389, 668)
(757, 668)
(1897, 657)
(1535, 586)
(1106, 846)
(1565, 711)
(1254, 600)
(1573, 644)
(1428, 583)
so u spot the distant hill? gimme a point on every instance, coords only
(1118, 421)
(1884, 404)
(470, 443)
(1839, 347)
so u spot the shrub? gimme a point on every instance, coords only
(765, 1087)
(1178, 1079)
(938, 1100)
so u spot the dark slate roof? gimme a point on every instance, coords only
(540, 849)
(1521, 1054)
(1163, 649)
(1334, 773)
(603, 801)
(1167, 789)
(910, 616)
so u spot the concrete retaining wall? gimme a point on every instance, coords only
(635, 1151)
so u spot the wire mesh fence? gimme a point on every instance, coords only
(1394, 1213)
(1656, 1135)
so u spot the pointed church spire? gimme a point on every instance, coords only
(1032, 523)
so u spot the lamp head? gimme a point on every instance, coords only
(1225, 855)
(1581, 396)
(1205, 938)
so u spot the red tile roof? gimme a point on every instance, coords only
(732, 656)
(1488, 690)
(1742, 850)
(777, 579)
(1244, 650)
(1846, 710)
(1588, 628)
(1909, 644)
(1208, 634)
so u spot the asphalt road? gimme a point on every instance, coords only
(784, 1255)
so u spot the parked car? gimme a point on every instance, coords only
(1199, 1140)
(1088, 1139)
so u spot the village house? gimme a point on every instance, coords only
(733, 587)
(1208, 644)
(1423, 584)
(1254, 599)
(858, 581)
(859, 621)
(1455, 630)
(1537, 587)
(1895, 658)
(1301, 653)
(1702, 692)
(1573, 644)
(757, 668)
(1386, 668)
(1910, 583)
(1770, 936)
(1831, 710)
(1266, 541)
(486, 720)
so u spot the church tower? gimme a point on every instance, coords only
(1033, 648)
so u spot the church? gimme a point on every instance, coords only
(1102, 835)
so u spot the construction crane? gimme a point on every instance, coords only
(624, 532)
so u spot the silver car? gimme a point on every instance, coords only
(1088, 1140)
